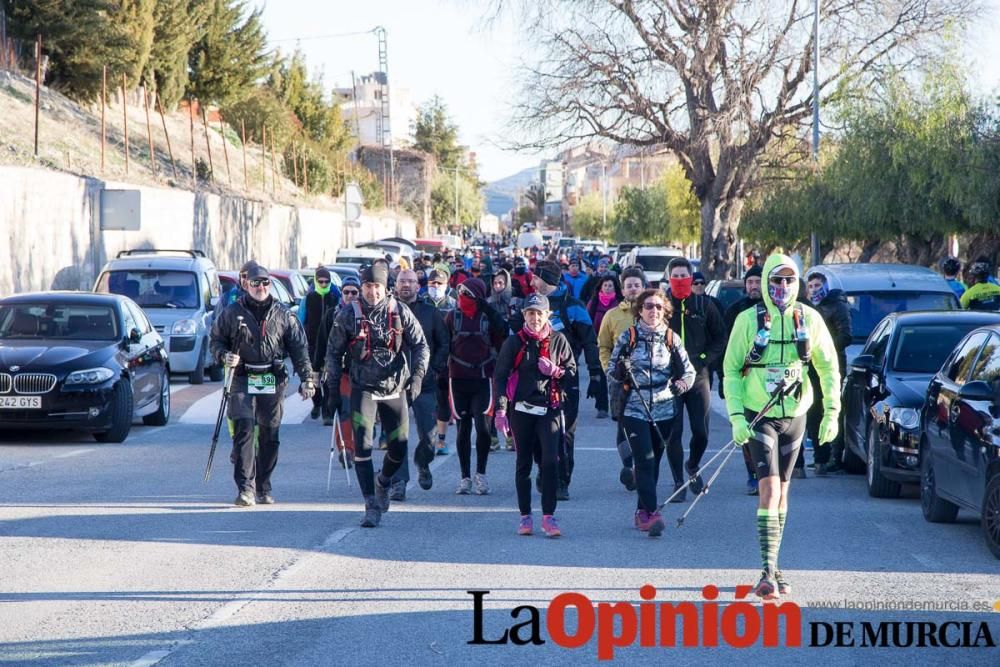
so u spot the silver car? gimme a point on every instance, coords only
(177, 289)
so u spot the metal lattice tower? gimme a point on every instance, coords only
(383, 127)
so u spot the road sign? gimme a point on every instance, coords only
(354, 201)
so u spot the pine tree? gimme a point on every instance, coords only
(230, 57)
(178, 25)
(80, 37)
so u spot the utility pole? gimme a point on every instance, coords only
(456, 200)
(814, 241)
(604, 192)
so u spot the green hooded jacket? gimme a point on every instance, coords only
(752, 391)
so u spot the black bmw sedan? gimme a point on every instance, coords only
(77, 360)
(886, 386)
(960, 448)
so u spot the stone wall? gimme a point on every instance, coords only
(50, 229)
(414, 177)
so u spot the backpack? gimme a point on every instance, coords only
(555, 396)
(800, 336)
(620, 386)
(363, 327)
(458, 350)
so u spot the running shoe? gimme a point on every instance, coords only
(245, 499)
(697, 485)
(641, 520)
(766, 588)
(656, 524)
(381, 493)
(482, 486)
(265, 499)
(680, 497)
(398, 490)
(464, 487)
(550, 527)
(752, 486)
(526, 526)
(424, 478)
(442, 448)
(510, 443)
(562, 491)
(784, 588)
(494, 443)
(627, 478)
(373, 515)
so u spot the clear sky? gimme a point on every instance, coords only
(442, 47)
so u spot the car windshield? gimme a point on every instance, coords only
(923, 348)
(153, 288)
(57, 321)
(730, 294)
(868, 308)
(657, 263)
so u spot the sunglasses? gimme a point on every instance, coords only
(260, 282)
(651, 306)
(322, 282)
(698, 282)
(784, 280)
(350, 292)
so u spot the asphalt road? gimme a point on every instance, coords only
(120, 554)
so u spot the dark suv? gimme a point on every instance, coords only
(960, 447)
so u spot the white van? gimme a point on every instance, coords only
(654, 261)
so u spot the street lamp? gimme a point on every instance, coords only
(814, 240)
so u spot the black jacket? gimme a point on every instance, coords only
(532, 386)
(578, 330)
(374, 365)
(700, 325)
(734, 311)
(316, 307)
(269, 341)
(837, 315)
(436, 333)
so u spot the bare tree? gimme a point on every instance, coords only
(717, 82)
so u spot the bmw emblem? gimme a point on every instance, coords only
(14, 369)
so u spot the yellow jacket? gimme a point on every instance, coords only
(614, 323)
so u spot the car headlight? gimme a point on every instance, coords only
(89, 376)
(907, 418)
(184, 327)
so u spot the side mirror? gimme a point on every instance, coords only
(863, 363)
(214, 301)
(976, 391)
(134, 336)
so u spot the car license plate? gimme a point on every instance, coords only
(20, 402)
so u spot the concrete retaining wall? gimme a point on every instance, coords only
(50, 229)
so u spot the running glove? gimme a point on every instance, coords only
(828, 428)
(413, 389)
(307, 390)
(741, 430)
(549, 368)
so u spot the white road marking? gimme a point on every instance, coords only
(206, 409)
(33, 464)
(927, 561)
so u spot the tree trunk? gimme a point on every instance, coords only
(719, 221)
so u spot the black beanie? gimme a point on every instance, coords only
(753, 271)
(376, 273)
(323, 272)
(549, 272)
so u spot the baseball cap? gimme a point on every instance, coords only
(536, 302)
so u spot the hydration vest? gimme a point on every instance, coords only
(363, 327)
(800, 336)
(471, 349)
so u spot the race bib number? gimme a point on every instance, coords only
(529, 409)
(261, 384)
(775, 376)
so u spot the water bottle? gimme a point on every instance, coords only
(759, 344)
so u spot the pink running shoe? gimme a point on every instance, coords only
(550, 527)
(526, 527)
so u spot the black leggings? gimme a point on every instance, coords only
(647, 451)
(471, 400)
(697, 401)
(536, 439)
(252, 469)
(396, 426)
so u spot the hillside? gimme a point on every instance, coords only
(501, 194)
(70, 141)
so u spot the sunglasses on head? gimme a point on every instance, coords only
(649, 305)
(783, 280)
(260, 282)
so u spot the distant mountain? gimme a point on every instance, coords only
(500, 195)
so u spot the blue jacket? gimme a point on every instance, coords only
(575, 284)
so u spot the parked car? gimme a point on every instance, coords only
(178, 290)
(726, 291)
(653, 259)
(293, 281)
(429, 246)
(340, 271)
(358, 257)
(875, 290)
(397, 248)
(78, 360)
(960, 448)
(885, 387)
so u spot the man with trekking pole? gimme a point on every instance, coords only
(767, 399)
(251, 339)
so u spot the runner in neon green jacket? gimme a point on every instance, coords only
(758, 359)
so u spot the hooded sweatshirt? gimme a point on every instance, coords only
(780, 358)
(502, 300)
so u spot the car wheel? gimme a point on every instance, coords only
(991, 514)
(197, 376)
(216, 373)
(162, 414)
(879, 486)
(121, 414)
(852, 462)
(936, 510)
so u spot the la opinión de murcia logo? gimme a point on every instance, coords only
(738, 624)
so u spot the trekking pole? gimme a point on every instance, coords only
(780, 391)
(343, 451)
(227, 383)
(732, 449)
